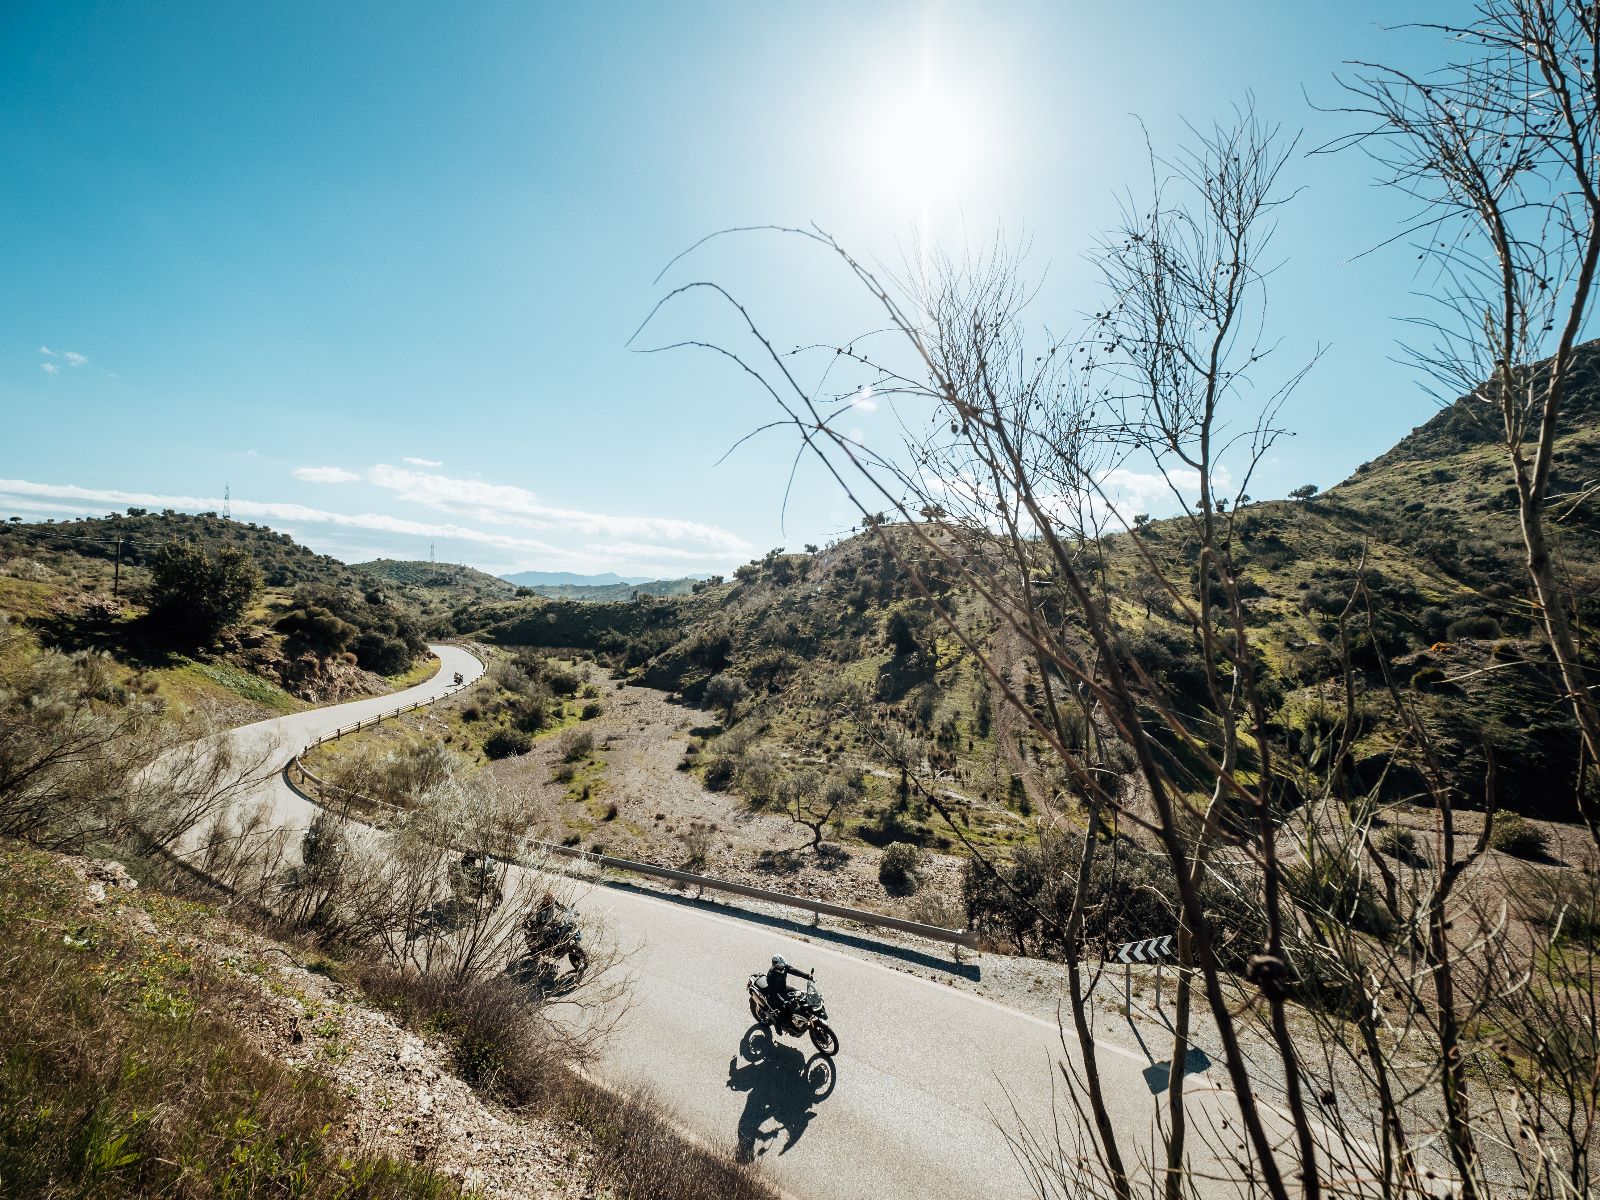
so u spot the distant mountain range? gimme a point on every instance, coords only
(570, 579)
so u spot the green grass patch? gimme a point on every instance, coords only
(424, 669)
(120, 1077)
(191, 680)
(25, 598)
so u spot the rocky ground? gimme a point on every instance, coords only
(404, 1099)
(638, 767)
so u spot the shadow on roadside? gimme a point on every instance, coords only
(819, 933)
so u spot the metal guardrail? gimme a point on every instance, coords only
(373, 722)
(818, 908)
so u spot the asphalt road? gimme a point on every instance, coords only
(926, 1077)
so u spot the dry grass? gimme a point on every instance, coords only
(641, 1155)
(120, 1076)
(497, 1041)
(637, 1150)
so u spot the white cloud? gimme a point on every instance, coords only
(504, 504)
(423, 462)
(43, 349)
(864, 400)
(337, 532)
(74, 358)
(325, 475)
(50, 368)
(271, 511)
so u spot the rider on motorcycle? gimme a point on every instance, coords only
(472, 880)
(778, 990)
(542, 927)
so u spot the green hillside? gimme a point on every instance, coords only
(316, 631)
(613, 592)
(433, 590)
(86, 549)
(831, 649)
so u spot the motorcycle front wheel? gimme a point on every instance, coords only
(579, 960)
(824, 1039)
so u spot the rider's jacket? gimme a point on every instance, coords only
(778, 980)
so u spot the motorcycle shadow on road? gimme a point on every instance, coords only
(542, 978)
(783, 1089)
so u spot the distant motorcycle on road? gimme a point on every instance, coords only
(804, 1014)
(552, 933)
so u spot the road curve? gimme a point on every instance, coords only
(926, 1077)
(272, 743)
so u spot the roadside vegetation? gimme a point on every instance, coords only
(122, 1071)
(123, 1075)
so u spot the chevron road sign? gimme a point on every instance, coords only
(1149, 950)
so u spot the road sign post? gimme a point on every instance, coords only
(1147, 950)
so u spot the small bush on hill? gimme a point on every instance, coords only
(563, 682)
(1518, 837)
(1480, 627)
(507, 743)
(721, 770)
(314, 629)
(1401, 843)
(577, 745)
(900, 870)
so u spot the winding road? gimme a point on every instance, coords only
(927, 1074)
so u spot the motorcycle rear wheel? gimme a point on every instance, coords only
(824, 1039)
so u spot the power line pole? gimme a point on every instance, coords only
(116, 572)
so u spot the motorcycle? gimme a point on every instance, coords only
(474, 882)
(806, 1015)
(559, 938)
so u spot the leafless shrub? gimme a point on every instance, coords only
(576, 745)
(86, 758)
(641, 1154)
(1357, 1029)
(397, 777)
(1498, 147)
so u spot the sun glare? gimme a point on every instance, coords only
(926, 149)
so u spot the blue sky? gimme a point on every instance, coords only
(375, 266)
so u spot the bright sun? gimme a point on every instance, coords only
(925, 149)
